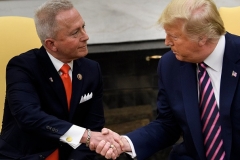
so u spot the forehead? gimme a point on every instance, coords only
(174, 28)
(68, 17)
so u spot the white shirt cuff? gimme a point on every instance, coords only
(133, 153)
(73, 136)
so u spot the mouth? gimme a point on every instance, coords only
(83, 46)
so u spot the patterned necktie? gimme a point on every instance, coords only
(67, 82)
(68, 89)
(211, 127)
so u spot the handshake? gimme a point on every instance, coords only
(107, 143)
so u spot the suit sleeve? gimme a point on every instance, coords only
(160, 133)
(25, 105)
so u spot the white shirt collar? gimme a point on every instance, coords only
(58, 64)
(215, 59)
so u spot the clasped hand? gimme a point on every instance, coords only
(108, 143)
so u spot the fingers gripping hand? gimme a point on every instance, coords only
(106, 143)
(115, 139)
(92, 147)
(106, 149)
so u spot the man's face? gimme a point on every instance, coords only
(184, 48)
(71, 38)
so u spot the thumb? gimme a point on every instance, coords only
(105, 131)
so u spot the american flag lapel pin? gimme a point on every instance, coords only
(51, 80)
(234, 74)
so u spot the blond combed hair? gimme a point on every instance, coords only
(46, 24)
(200, 17)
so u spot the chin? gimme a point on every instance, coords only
(82, 54)
(179, 58)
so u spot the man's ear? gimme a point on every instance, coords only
(202, 40)
(50, 44)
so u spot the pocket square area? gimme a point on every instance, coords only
(85, 97)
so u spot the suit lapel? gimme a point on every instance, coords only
(190, 100)
(77, 89)
(227, 90)
(52, 77)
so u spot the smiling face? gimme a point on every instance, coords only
(71, 38)
(185, 48)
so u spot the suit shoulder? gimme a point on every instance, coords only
(87, 61)
(26, 57)
(87, 64)
(169, 55)
(234, 38)
(169, 59)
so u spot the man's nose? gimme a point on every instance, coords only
(168, 42)
(84, 37)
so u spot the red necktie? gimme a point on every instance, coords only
(210, 117)
(53, 156)
(67, 82)
(68, 89)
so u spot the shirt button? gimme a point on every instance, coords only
(69, 139)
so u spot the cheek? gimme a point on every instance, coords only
(71, 45)
(181, 46)
(72, 41)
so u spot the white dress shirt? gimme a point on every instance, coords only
(214, 69)
(214, 61)
(75, 132)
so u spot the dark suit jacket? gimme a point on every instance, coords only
(178, 111)
(35, 112)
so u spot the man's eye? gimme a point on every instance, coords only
(76, 32)
(174, 37)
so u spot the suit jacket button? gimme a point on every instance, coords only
(41, 156)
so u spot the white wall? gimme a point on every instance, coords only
(110, 20)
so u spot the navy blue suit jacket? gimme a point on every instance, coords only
(178, 111)
(35, 112)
